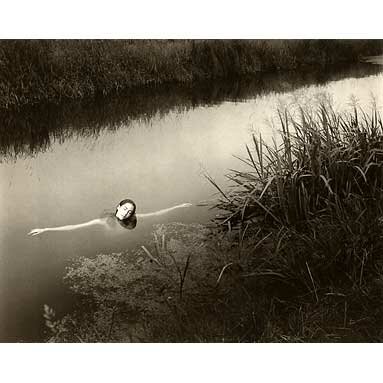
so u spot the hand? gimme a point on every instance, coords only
(36, 232)
(186, 204)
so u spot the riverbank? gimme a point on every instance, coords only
(35, 72)
(31, 129)
(295, 256)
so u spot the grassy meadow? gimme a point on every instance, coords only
(41, 71)
(295, 254)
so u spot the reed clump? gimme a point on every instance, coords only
(308, 220)
(325, 162)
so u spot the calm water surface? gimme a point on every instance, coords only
(67, 165)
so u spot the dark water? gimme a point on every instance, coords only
(67, 164)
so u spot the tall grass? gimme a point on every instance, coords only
(314, 202)
(34, 71)
(327, 163)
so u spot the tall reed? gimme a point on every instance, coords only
(314, 203)
(326, 162)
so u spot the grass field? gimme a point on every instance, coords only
(39, 71)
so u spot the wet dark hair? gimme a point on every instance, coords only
(131, 222)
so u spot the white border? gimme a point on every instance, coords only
(191, 363)
(190, 19)
(197, 19)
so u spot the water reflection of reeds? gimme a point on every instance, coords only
(33, 129)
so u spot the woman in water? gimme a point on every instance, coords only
(125, 215)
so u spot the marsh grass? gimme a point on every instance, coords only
(38, 71)
(326, 161)
(314, 203)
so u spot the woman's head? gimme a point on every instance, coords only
(125, 210)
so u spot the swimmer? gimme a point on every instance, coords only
(125, 215)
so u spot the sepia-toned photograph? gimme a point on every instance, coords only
(191, 190)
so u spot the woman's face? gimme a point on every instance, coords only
(125, 211)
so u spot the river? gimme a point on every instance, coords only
(68, 164)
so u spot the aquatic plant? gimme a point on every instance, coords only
(311, 205)
(326, 162)
(130, 296)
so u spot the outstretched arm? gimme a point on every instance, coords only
(97, 221)
(163, 211)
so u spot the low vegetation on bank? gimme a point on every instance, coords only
(294, 256)
(38, 71)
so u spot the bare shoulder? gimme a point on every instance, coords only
(104, 220)
(108, 220)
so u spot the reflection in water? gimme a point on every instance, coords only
(67, 164)
(34, 129)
